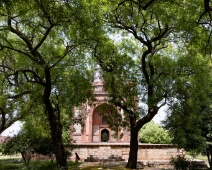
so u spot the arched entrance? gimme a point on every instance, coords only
(104, 135)
(100, 123)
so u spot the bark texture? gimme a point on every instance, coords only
(55, 124)
(132, 160)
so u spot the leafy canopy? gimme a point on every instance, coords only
(154, 133)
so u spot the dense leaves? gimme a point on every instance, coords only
(189, 114)
(154, 133)
(43, 48)
(161, 41)
(152, 53)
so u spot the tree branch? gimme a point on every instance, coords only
(19, 95)
(36, 77)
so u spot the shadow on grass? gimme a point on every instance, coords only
(17, 164)
(7, 164)
(12, 164)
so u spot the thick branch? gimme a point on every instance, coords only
(17, 50)
(148, 4)
(130, 29)
(108, 67)
(143, 64)
(19, 95)
(138, 3)
(61, 57)
(19, 33)
(4, 123)
(36, 79)
(207, 6)
(147, 118)
(161, 35)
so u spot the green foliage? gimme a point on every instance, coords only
(167, 56)
(1, 147)
(44, 48)
(180, 163)
(19, 144)
(27, 143)
(189, 111)
(114, 119)
(161, 58)
(10, 164)
(33, 138)
(154, 133)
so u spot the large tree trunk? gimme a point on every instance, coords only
(55, 124)
(56, 136)
(209, 155)
(132, 160)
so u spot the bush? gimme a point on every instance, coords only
(154, 133)
(180, 163)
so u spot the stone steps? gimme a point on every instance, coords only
(110, 158)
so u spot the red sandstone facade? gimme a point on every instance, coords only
(95, 126)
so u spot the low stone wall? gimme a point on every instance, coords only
(146, 152)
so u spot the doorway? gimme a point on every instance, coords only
(104, 135)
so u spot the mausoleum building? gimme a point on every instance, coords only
(95, 140)
(95, 126)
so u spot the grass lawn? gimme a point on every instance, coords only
(17, 164)
(199, 157)
(12, 164)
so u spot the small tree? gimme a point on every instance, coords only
(154, 133)
(19, 144)
(27, 144)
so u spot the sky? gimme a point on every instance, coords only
(12, 130)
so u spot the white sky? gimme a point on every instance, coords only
(12, 130)
(160, 116)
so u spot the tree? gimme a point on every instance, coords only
(135, 73)
(189, 115)
(154, 133)
(206, 133)
(11, 115)
(27, 144)
(147, 65)
(16, 101)
(19, 144)
(190, 126)
(43, 44)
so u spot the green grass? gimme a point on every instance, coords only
(10, 164)
(16, 164)
(199, 157)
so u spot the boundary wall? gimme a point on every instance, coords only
(104, 151)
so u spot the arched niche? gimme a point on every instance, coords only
(101, 112)
(105, 135)
(100, 120)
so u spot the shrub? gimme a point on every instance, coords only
(180, 163)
